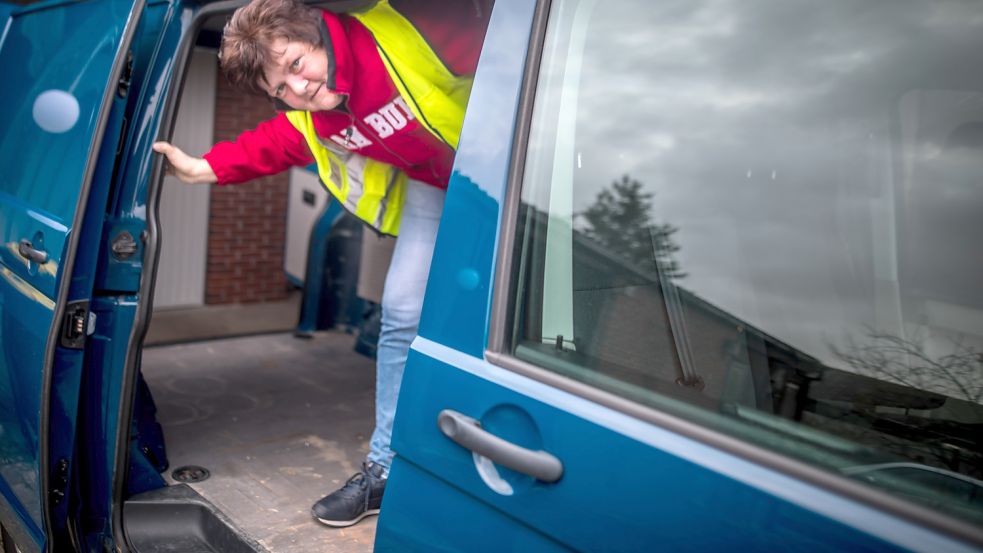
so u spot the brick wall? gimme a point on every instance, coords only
(247, 222)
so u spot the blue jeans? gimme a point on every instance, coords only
(402, 302)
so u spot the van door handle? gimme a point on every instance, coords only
(467, 433)
(26, 249)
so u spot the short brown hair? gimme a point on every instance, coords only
(247, 37)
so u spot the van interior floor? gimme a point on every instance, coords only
(278, 421)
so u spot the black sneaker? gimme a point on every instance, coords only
(360, 497)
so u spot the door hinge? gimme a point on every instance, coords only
(59, 482)
(77, 323)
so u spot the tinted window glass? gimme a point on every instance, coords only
(51, 98)
(764, 216)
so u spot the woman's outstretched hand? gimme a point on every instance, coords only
(188, 169)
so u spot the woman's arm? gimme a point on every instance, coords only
(272, 147)
(191, 170)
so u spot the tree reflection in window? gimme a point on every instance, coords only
(907, 362)
(620, 222)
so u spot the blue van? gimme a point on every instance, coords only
(708, 278)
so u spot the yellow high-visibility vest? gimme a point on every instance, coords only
(374, 191)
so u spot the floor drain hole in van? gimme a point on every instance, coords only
(190, 474)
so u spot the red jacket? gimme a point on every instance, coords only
(374, 121)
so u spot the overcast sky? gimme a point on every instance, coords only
(822, 160)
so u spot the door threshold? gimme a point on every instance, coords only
(177, 518)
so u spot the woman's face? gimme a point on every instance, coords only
(297, 76)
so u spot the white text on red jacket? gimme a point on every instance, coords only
(386, 121)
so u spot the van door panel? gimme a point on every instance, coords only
(56, 60)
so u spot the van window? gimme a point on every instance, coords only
(50, 101)
(765, 217)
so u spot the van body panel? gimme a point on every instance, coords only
(59, 150)
(95, 82)
(633, 486)
(628, 484)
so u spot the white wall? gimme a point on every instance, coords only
(301, 217)
(184, 207)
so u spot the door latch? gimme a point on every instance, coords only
(75, 324)
(124, 245)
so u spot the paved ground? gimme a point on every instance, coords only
(279, 421)
(206, 322)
